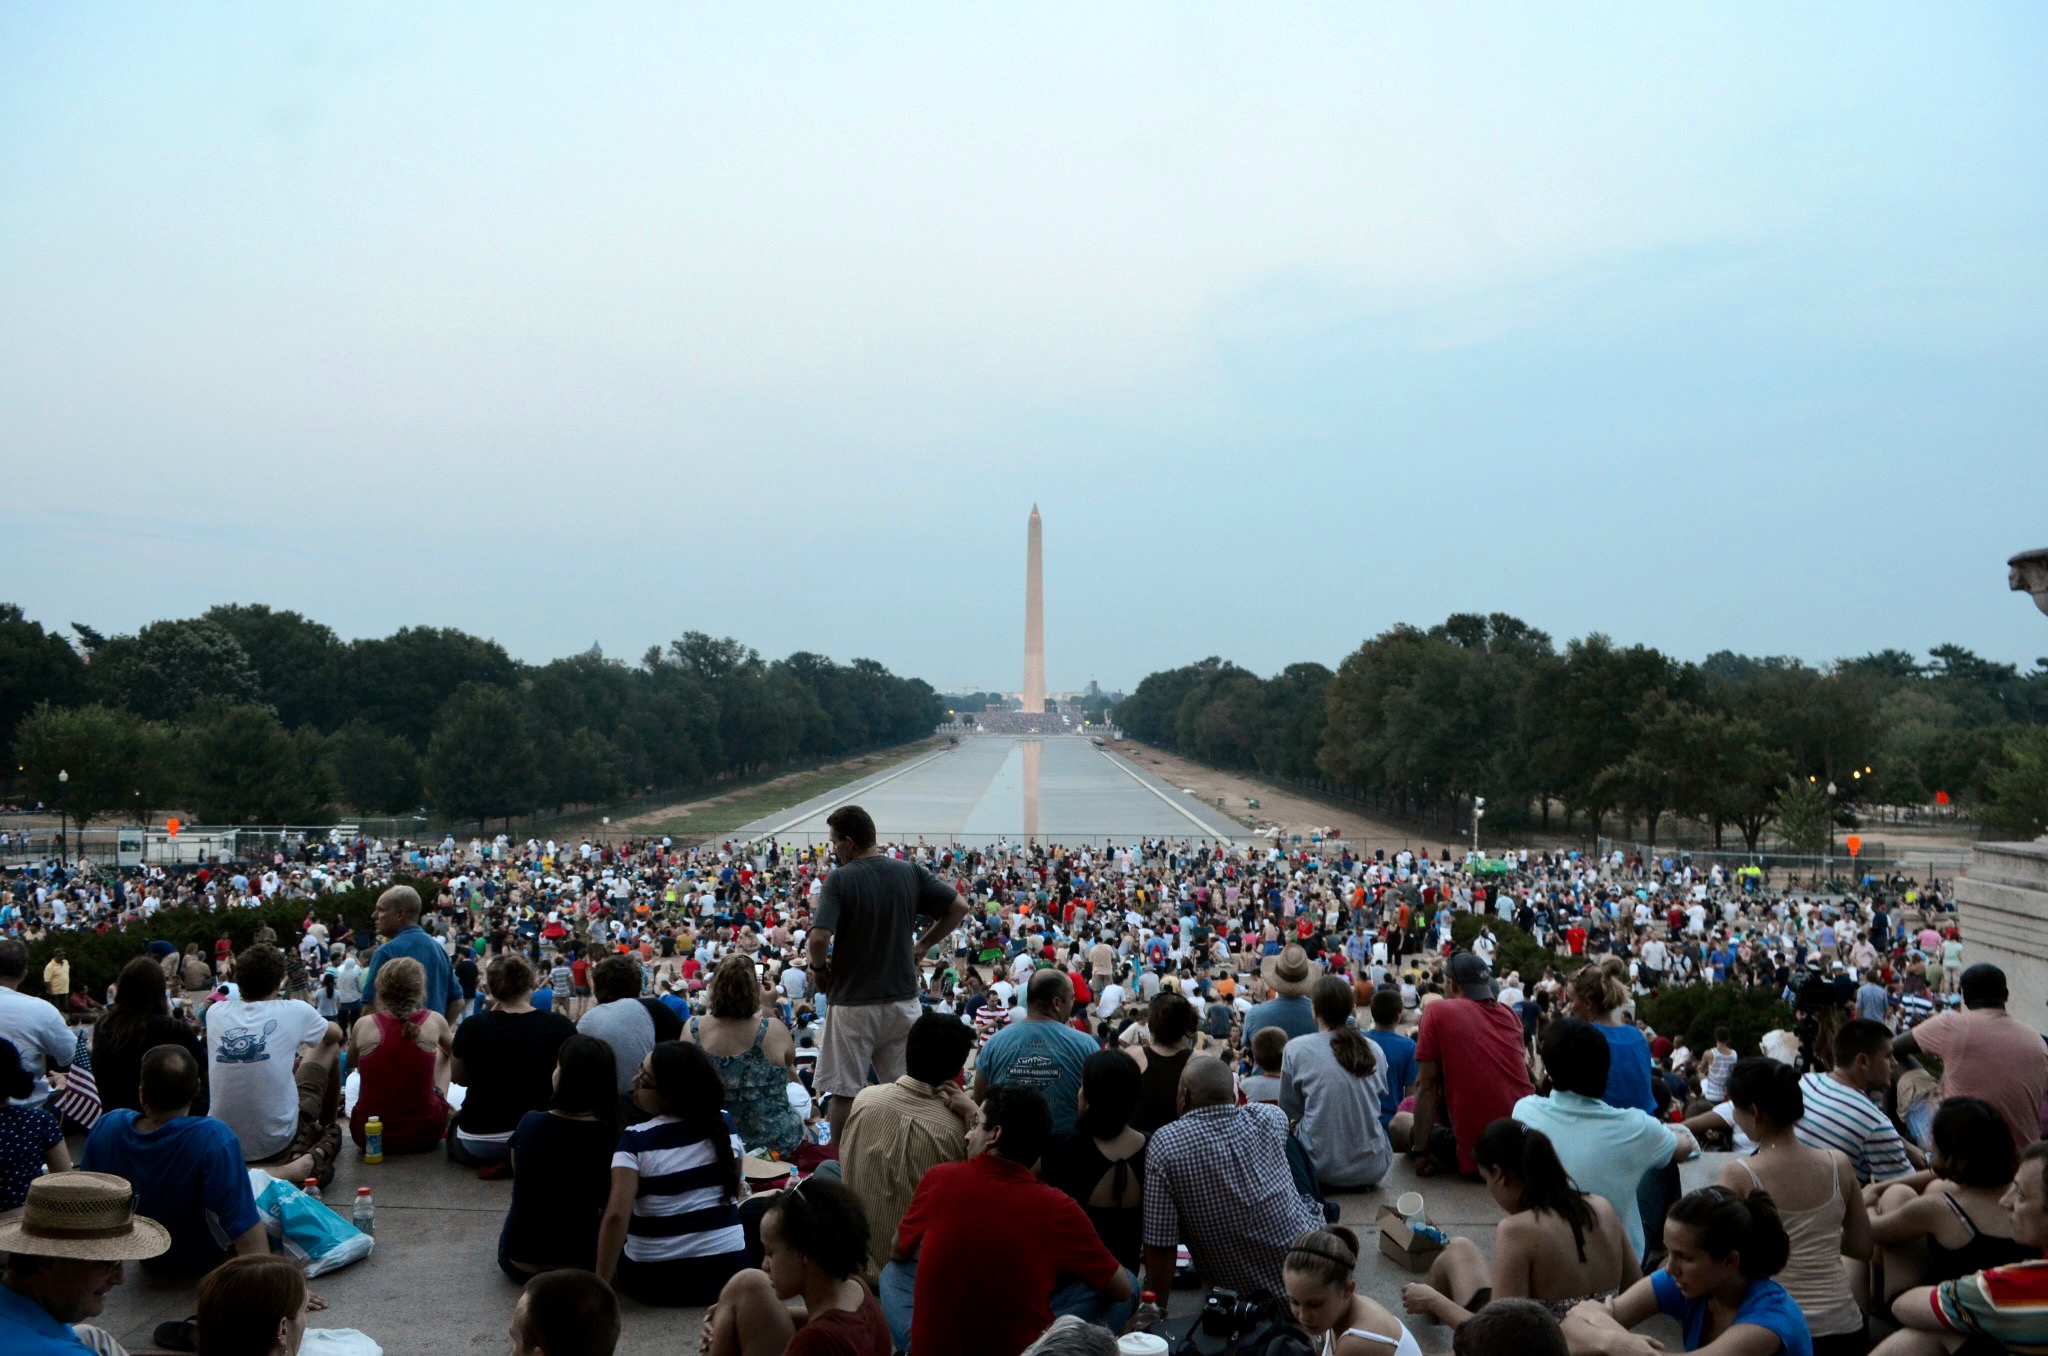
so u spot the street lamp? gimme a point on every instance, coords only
(1478, 813)
(1831, 826)
(63, 822)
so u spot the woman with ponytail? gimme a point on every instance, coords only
(1722, 1251)
(1818, 1201)
(1330, 1084)
(1558, 1245)
(1322, 1295)
(679, 1164)
(1598, 993)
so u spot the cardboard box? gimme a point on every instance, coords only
(1399, 1243)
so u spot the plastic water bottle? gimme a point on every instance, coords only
(312, 1188)
(373, 1140)
(365, 1211)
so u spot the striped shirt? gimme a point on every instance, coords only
(1917, 1007)
(1840, 1117)
(684, 1206)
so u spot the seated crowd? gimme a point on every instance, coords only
(1133, 1119)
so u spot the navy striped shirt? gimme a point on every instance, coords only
(685, 1206)
(1839, 1117)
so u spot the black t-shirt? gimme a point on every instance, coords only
(872, 906)
(465, 975)
(508, 1059)
(562, 1179)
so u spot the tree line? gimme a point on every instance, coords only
(1424, 721)
(253, 715)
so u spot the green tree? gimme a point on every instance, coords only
(481, 762)
(2017, 802)
(169, 669)
(376, 773)
(1805, 818)
(244, 767)
(36, 666)
(400, 683)
(92, 762)
(297, 661)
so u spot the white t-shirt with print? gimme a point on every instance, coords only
(250, 1048)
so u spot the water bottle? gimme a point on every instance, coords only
(312, 1188)
(373, 1140)
(366, 1211)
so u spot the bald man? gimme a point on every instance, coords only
(1217, 1179)
(1040, 1052)
(397, 916)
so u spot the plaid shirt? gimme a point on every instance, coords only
(1217, 1179)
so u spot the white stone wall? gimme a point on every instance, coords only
(2003, 904)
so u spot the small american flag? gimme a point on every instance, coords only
(80, 1100)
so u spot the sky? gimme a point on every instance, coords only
(1723, 327)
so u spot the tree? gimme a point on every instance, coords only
(104, 758)
(36, 666)
(297, 661)
(1805, 818)
(480, 762)
(169, 669)
(401, 682)
(246, 768)
(2018, 786)
(376, 773)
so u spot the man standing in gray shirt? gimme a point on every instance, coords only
(865, 957)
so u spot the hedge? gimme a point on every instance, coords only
(97, 956)
(1688, 1013)
(1515, 951)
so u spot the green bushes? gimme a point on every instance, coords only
(1517, 951)
(97, 956)
(1688, 1013)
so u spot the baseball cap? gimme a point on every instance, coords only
(1474, 980)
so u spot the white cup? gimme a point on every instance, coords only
(1141, 1344)
(1409, 1206)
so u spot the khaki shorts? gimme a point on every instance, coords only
(860, 1035)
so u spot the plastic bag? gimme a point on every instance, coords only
(305, 1228)
(337, 1342)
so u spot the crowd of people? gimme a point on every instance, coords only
(809, 1087)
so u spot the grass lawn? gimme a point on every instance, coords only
(710, 816)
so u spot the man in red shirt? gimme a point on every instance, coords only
(940, 1292)
(1472, 1069)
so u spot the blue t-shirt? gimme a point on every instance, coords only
(1766, 1305)
(1628, 1069)
(26, 1329)
(1292, 1015)
(412, 940)
(188, 1176)
(1044, 1055)
(1401, 1070)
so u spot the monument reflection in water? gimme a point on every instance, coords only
(1033, 752)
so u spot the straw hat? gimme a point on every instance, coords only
(86, 1215)
(1291, 973)
(763, 1173)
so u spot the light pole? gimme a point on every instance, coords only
(1830, 859)
(63, 811)
(1478, 813)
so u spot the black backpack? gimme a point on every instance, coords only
(1230, 1327)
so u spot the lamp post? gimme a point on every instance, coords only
(63, 815)
(1478, 813)
(1831, 826)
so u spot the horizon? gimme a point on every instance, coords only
(1704, 331)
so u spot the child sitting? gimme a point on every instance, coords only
(1269, 1043)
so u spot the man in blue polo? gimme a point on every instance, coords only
(398, 923)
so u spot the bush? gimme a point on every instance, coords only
(1688, 1013)
(1517, 951)
(97, 956)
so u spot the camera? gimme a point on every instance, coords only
(1225, 1315)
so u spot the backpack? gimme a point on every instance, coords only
(1270, 1332)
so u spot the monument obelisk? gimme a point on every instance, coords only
(1034, 617)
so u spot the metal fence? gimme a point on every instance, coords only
(1873, 860)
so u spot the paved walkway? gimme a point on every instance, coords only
(433, 1284)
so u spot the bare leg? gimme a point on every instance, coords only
(1401, 1130)
(1899, 1266)
(749, 1320)
(1914, 1342)
(836, 1112)
(1460, 1272)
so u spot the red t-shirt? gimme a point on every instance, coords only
(579, 972)
(963, 1304)
(1575, 938)
(1477, 1047)
(858, 1332)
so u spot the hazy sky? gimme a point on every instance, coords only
(1727, 330)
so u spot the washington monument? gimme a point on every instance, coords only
(1034, 617)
